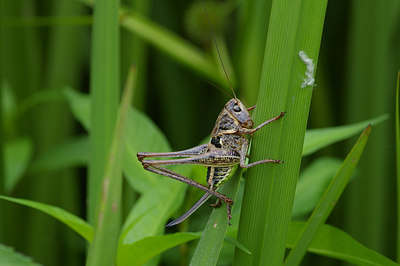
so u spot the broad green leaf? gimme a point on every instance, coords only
(141, 251)
(328, 200)
(80, 106)
(77, 224)
(312, 183)
(152, 210)
(142, 135)
(316, 139)
(332, 242)
(74, 152)
(9, 257)
(17, 154)
(150, 214)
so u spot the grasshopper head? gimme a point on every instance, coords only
(236, 108)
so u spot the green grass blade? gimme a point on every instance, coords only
(75, 223)
(312, 183)
(397, 137)
(332, 242)
(317, 139)
(328, 200)
(149, 247)
(104, 89)
(268, 198)
(251, 44)
(11, 258)
(104, 247)
(171, 44)
(209, 247)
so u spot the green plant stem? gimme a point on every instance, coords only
(270, 189)
(104, 93)
(104, 247)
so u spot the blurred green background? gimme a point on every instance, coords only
(45, 46)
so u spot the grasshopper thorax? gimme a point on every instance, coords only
(239, 112)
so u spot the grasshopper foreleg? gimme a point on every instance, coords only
(251, 131)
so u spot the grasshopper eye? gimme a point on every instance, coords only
(237, 109)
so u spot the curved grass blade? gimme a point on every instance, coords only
(316, 139)
(149, 247)
(77, 224)
(328, 200)
(332, 242)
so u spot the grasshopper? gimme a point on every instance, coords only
(226, 150)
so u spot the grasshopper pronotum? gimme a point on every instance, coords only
(226, 150)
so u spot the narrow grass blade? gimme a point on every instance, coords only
(208, 249)
(332, 242)
(75, 223)
(104, 247)
(397, 137)
(104, 93)
(170, 44)
(328, 200)
(10, 257)
(294, 26)
(317, 139)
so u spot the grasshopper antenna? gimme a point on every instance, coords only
(216, 46)
(218, 88)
